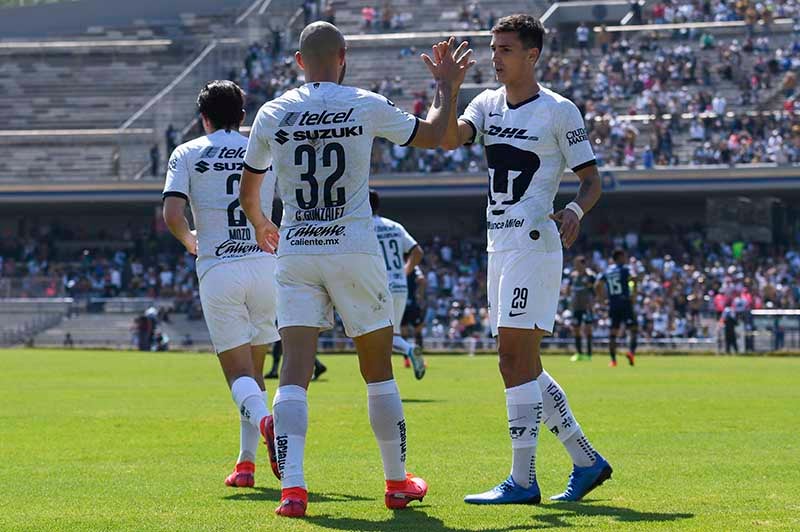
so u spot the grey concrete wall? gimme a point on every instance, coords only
(73, 18)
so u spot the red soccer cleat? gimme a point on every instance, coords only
(293, 502)
(242, 476)
(268, 432)
(612, 364)
(401, 492)
(406, 362)
(630, 357)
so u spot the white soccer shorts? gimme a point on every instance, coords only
(523, 288)
(310, 286)
(399, 299)
(240, 303)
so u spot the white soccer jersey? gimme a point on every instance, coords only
(394, 242)
(527, 148)
(206, 172)
(319, 138)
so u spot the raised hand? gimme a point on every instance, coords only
(449, 64)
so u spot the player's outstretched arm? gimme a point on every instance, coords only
(458, 132)
(449, 72)
(569, 218)
(175, 218)
(414, 258)
(250, 199)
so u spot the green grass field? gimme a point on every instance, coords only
(100, 440)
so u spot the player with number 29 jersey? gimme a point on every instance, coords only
(528, 146)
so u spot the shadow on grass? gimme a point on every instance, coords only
(274, 494)
(570, 510)
(422, 401)
(563, 517)
(405, 520)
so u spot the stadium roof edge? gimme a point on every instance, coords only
(63, 44)
(721, 179)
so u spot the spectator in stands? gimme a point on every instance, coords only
(69, 343)
(582, 36)
(171, 136)
(367, 17)
(154, 160)
(329, 12)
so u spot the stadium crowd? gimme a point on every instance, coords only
(708, 88)
(683, 282)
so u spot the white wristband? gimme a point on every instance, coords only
(574, 207)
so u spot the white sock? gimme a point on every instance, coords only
(249, 399)
(389, 426)
(249, 436)
(399, 345)
(559, 420)
(290, 408)
(248, 441)
(524, 405)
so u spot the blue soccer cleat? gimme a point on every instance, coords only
(585, 479)
(507, 492)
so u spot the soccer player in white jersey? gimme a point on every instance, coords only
(237, 286)
(396, 244)
(319, 139)
(530, 134)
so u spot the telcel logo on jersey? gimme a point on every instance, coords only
(315, 119)
(223, 152)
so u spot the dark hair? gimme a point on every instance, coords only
(222, 102)
(618, 254)
(529, 29)
(374, 200)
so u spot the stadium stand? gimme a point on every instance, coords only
(653, 97)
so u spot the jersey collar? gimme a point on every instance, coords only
(520, 104)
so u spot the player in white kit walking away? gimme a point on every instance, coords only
(237, 278)
(395, 244)
(530, 134)
(319, 138)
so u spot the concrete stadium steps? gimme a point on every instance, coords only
(57, 157)
(112, 330)
(179, 326)
(93, 89)
(429, 15)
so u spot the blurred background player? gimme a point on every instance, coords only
(401, 255)
(530, 134)
(413, 318)
(581, 297)
(277, 351)
(319, 139)
(615, 284)
(237, 281)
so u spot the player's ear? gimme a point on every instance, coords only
(298, 57)
(533, 55)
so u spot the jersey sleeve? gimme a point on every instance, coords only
(572, 138)
(177, 181)
(408, 241)
(474, 116)
(391, 123)
(259, 154)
